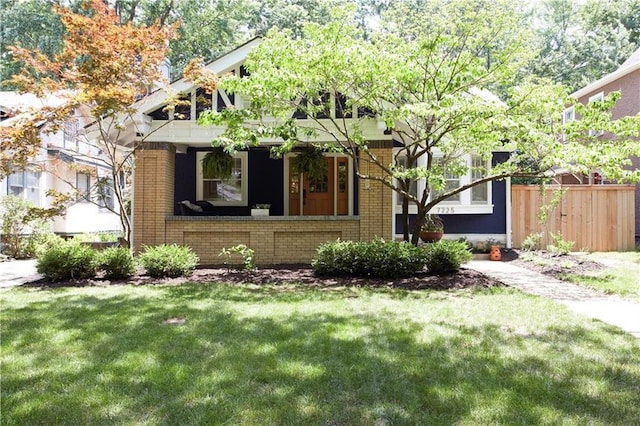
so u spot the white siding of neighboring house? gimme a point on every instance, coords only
(81, 217)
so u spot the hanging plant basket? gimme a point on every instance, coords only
(217, 164)
(311, 162)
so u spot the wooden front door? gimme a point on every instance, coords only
(319, 197)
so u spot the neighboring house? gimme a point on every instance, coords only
(63, 163)
(626, 80)
(303, 213)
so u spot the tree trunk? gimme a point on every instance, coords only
(405, 219)
(420, 218)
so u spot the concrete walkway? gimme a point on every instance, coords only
(18, 272)
(610, 309)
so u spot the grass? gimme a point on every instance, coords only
(278, 355)
(621, 277)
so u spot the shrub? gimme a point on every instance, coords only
(560, 246)
(532, 241)
(20, 230)
(40, 242)
(446, 257)
(68, 259)
(168, 260)
(377, 258)
(117, 263)
(248, 256)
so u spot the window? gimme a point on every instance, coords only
(596, 98)
(25, 184)
(224, 192)
(452, 181)
(83, 186)
(479, 193)
(569, 115)
(70, 134)
(402, 161)
(105, 192)
(475, 200)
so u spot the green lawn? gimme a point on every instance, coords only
(275, 355)
(621, 277)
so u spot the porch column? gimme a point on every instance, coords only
(375, 204)
(153, 193)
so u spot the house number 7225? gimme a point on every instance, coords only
(445, 210)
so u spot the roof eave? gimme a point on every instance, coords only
(609, 78)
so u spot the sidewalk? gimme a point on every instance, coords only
(610, 309)
(17, 272)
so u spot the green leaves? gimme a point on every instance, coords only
(439, 76)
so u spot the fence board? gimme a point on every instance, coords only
(595, 217)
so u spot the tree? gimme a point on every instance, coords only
(431, 89)
(25, 22)
(581, 42)
(103, 68)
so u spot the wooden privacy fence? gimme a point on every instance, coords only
(595, 217)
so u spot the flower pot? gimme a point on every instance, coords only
(431, 236)
(259, 212)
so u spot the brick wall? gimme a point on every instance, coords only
(153, 193)
(375, 198)
(279, 240)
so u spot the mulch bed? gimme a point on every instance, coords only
(293, 274)
(551, 264)
(547, 263)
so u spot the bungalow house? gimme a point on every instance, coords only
(626, 80)
(63, 163)
(303, 212)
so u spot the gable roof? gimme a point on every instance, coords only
(219, 66)
(630, 65)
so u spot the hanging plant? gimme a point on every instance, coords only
(311, 162)
(217, 164)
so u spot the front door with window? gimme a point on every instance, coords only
(320, 197)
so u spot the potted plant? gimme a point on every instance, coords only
(432, 229)
(260, 210)
(311, 162)
(217, 164)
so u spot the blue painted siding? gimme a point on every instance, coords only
(265, 179)
(495, 223)
(266, 182)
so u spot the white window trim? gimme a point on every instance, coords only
(25, 188)
(244, 158)
(597, 97)
(464, 206)
(570, 110)
(83, 196)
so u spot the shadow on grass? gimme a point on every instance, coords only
(83, 359)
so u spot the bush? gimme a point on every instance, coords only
(21, 231)
(560, 246)
(168, 260)
(117, 263)
(39, 243)
(446, 257)
(248, 256)
(377, 258)
(532, 241)
(68, 260)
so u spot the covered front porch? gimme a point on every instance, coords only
(164, 178)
